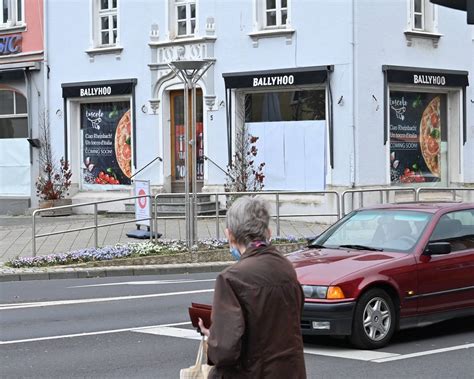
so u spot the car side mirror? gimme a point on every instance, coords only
(438, 248)
(311, 239)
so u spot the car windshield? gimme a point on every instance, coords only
(377, 229)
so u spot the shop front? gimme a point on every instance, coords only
(426, 129)
(99, 133)
(289, 111)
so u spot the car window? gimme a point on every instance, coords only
(393, 230)
(457, 228)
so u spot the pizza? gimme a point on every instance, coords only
(123, 148)
(430, 135)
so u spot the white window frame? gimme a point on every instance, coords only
(174, 7)
(278, 10)
(429, 14)
(15, 114)
(15, 17)
(421, 13)
(98, 14)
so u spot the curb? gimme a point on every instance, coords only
(16, 275)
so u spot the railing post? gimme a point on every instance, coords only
(150, 207)
(454, 194)
(33, 229)
(277, 198)
(96, 229)
(338, 205)
(217, 216)
(417, 194)
(155, 215)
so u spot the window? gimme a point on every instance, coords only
(457, 228)
(285, 106)
(13, 115)
(276, 13)
(185, 12)
(418, 15)
(106, 23)
(423, 16)
(12, 13)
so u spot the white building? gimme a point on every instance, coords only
(341, 93)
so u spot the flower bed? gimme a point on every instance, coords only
(165, 251)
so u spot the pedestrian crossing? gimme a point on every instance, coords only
(373, 356)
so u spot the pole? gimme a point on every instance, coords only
(186, 165)
(193, 164)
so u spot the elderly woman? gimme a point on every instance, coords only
(255, 331)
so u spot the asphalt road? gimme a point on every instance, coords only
(133, 327)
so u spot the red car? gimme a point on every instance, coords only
(388, 267)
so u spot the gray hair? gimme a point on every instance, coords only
(248, 219)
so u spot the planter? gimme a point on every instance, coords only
(44, 204)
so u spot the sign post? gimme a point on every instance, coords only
(143, 211)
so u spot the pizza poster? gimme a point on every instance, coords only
(106, 143)
(416, 122)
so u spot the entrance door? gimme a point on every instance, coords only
(178, 140)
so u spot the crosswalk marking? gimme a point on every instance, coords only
(362, 355)
(373, 356)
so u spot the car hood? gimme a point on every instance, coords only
(324, 266)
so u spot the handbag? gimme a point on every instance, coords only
(200, 370)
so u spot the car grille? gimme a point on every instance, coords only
(305, 324)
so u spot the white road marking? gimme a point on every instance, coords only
(96, 300)
(329, 351)
(191, 334)
(339, 352)
(428, 352)
(147, 282)
(144, 328)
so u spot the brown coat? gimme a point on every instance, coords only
(256, 315)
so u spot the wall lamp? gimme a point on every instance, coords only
(34, 142)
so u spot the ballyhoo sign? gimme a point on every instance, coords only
(10, 44)
(96, 91)
(437, 80)
(282, 80)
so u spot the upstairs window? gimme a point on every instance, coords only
(12, 13)
(418, 15)
(13, 115)
(106, 23)
(185, 15)
(276, 13)
(423, 16)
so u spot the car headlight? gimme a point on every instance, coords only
(315, 292)
(323, 292)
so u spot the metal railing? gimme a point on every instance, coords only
(277, 197)
(383, 193)
(96, 225)
(452, 190)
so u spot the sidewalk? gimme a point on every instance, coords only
(16, 237)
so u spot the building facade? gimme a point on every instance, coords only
(22, 95)
(340, 93)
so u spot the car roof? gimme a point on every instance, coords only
(424, 206)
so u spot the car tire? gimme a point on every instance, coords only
(374, 320)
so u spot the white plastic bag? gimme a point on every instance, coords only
(200, 370)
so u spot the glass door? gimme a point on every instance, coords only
(178, 138)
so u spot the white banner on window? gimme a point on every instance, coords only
(294, 153)
(15, 167)
(142, 205)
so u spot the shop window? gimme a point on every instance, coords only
(13, 115)
(422, 16)
(106, 143)
(12, 13)
(418, 137)
(183, 18)
(106, 23)
(285, 106)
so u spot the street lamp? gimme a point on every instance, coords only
(189, 72)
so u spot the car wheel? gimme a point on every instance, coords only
(374, 320)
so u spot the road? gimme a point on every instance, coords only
(131, 327)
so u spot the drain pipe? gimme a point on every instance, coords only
(354, 102)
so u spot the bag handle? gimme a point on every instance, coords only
(202, 352)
